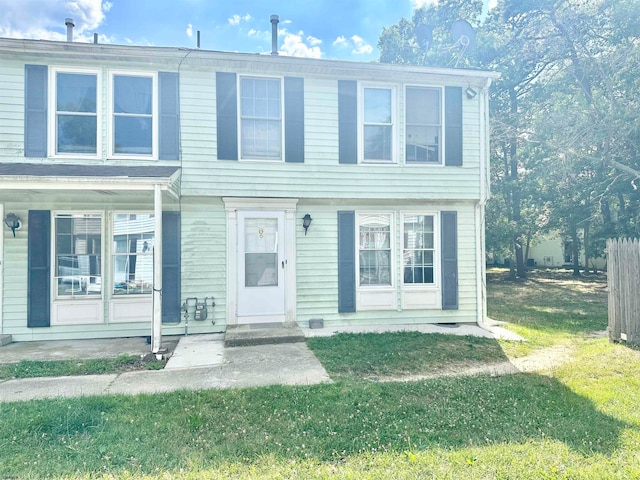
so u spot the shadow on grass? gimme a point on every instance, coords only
(324, 422)
(549, 301)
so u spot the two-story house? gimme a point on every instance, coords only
(136, 179)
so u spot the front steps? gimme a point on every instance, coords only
(262, 334)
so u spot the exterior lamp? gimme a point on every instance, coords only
(306, 222)
(471, 92)
(13, 222)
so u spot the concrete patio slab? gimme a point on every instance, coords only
(197, 351)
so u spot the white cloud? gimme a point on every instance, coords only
(295, 46)
(340, 42)
(44, 19)
(311, 40)
(189, 31)
(236, 19)
(423, 3)
(492, 4)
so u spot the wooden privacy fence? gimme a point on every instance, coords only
(623, 278)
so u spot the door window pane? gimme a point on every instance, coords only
(261, 252)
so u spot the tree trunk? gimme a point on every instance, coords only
(575, 250)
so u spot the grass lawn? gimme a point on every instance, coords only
(580, 420)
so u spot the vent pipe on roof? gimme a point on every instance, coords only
(95, 38)
(198, 37)
(274, 34)
(70, 24)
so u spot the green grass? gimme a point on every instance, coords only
(402, 353)
(31, 369)
(579, 421)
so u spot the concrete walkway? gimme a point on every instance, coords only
(197, 362)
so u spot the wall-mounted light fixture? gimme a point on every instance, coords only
(13, 222)
(471, 92)
(306, 222)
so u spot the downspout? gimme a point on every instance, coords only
(481, 266)
(156, 326)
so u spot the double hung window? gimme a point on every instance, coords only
(418, 250)
(375, 249)
(377, 129)
(423, 142)
(134, 122)
(261, 118)
(78, 254)
(75, 106)
(133, 242)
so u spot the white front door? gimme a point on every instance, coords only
(261, 266)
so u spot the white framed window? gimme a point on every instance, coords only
(77, 257)
(377, 129)
(133, 115)
(261, 118)
(133, 239)
(375, 249)
(74, 106)
(419, 249)
(423, 125)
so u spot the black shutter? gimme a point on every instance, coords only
(348, 121)
(449, 246)
(169, 106)
(346, 262)
(35, 110)
(294, 119)
(171, 293)
(227, 115)
(39, 268)
(453, 126)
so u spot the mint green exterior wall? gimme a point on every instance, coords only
(321, 185)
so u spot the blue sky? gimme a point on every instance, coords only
(308, 28)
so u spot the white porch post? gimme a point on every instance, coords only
(156, 325)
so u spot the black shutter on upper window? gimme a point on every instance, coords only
(171, 265)
(35, 110)
(227, 115)
(169, 125)
(39, 268)
(449, 259)
(348, 121)
(453, 126)
(346, 262)
(294, 119)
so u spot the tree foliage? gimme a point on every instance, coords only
(565, 121)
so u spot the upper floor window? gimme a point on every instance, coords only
(423, 125)
(74, 104)
(134, 122)
(78, 254)
(261, 118)
(377, 129)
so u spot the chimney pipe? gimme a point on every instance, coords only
(70, 24)
(198, 37)
(95, 38)
(274, 34)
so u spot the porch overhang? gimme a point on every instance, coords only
(103, 178)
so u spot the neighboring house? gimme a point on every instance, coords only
(556, 250)
(145, 177)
